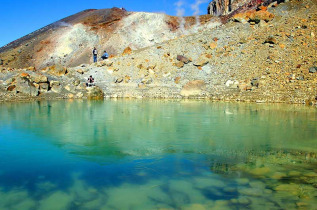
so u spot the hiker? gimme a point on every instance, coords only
(105, 55)
(94, 53)
(90, 81)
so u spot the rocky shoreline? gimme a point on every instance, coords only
(266, 55)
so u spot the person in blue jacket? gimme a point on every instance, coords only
(105, 55)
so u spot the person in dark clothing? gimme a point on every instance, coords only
(90, 81)
(105, 55)
(95, 53)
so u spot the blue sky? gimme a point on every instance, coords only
(19, 18)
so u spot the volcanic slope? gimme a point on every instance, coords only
(264, 55)
(69, 42)
(267, 54)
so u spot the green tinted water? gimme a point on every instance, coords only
(131, 154)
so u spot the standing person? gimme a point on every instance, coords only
(94, 53)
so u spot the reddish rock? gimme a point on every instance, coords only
(11, 88)
(177, 80)
(127, 51)
(183, 59)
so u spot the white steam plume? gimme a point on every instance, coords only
(180, 12)
(196, 9)
(62, 24)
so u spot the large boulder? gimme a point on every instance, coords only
(24, 86)
(39, 78)
(57, 70)
(95, 93)
(193, 88)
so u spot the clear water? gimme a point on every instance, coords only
(131, 154)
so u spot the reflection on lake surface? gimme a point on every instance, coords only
(156, 154)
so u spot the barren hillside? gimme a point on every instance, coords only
(70, 41)
(266, 54)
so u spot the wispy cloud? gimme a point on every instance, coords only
(196, 6)
(180, 11)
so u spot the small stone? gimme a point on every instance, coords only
(260, 171)
(255, 82)
(70, 95)
(127, 79)
(79, 95)
(11, 88)
(270, 40)
(80, 71)
(313, 69)
(179, 64)
(177, 80)
(76, 82)
(242, 181)
(251, 191)
(213, 45)
(119, 80)
(183, 59)
(294, 173)
(31, 68)
(278, 175)
(243, 200)
(201, 61)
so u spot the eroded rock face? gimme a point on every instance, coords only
(220, 7)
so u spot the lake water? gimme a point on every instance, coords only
(156, 154)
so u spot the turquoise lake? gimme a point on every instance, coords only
(157, 154)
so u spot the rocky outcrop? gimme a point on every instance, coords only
(225, 7)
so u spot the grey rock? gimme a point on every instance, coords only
(55, 83)
(313, 69)
(38, 78)
(44, 87)
(255, 82)
(24, 86)
(56, 89)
